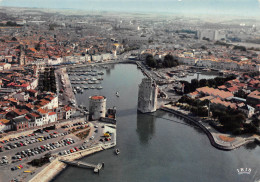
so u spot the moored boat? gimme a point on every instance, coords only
(117, 151)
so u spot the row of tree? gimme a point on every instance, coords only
(231, 119)
(10, 24)
(168, 62)
(41, 161)
(47, 81)
(196, 106)
(195, 83)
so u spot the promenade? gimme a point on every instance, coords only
(215, 137)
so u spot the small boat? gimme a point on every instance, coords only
(117, 151)
(99, 87)
(117, 94)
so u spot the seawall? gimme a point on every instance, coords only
(214, 142)
(56, 166)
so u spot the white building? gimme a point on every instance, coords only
(36, 119)
(5, 66)
(50, 103)
(52, 117)
(54, 61)
(34, 83)
(97, 107)
(188, 60)
(5, 125)
(204, 63)
(147, 96)
(211, 34)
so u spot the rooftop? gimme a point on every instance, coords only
(96, 97)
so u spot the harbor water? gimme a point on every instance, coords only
(156, 148)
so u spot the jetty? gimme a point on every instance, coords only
(81, 164)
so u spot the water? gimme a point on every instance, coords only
(157, 150)
(203, 75)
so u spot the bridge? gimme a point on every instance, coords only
(96, 168)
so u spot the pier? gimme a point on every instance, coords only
(96, 168)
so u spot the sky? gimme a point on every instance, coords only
(215, 7)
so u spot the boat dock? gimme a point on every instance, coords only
(81, 164)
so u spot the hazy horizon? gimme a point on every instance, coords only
(210, 7)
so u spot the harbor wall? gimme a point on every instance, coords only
(212, 139)
(56, 166)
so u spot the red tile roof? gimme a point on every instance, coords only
(42, 111)
(215, 92)
(21, 111)
(52, 113)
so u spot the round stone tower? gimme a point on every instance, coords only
(97, 107)
(147, 96)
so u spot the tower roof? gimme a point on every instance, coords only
(96, 97)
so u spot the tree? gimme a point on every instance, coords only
(211, 83)
(14, 39)
(169, 61)
(256, 122)
(217, 113)
(204, 47)
(203, 83)
(194, 84)
(150, 61)
(10, 23)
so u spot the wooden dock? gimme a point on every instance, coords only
(81, 164)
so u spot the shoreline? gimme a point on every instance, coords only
(213, 137)
(55, 167)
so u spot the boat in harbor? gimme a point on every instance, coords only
(101, 73)
(99, 78)
(99, 87)
(91, 82)
(117, 152)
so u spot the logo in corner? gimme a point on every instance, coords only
(244, 171)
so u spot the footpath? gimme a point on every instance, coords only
(215, 137)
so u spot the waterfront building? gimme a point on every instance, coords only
(97, 107)
(147, 96)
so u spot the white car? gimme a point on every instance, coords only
(91, 138)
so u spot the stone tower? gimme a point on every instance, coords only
(97, 107)
(147, 96)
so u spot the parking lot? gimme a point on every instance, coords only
(17, 152)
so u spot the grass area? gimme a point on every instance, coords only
(75, 129)
(226, 138)
(41, 161)
(83, 135)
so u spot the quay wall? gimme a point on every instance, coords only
(213, 141)
(56, 166)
